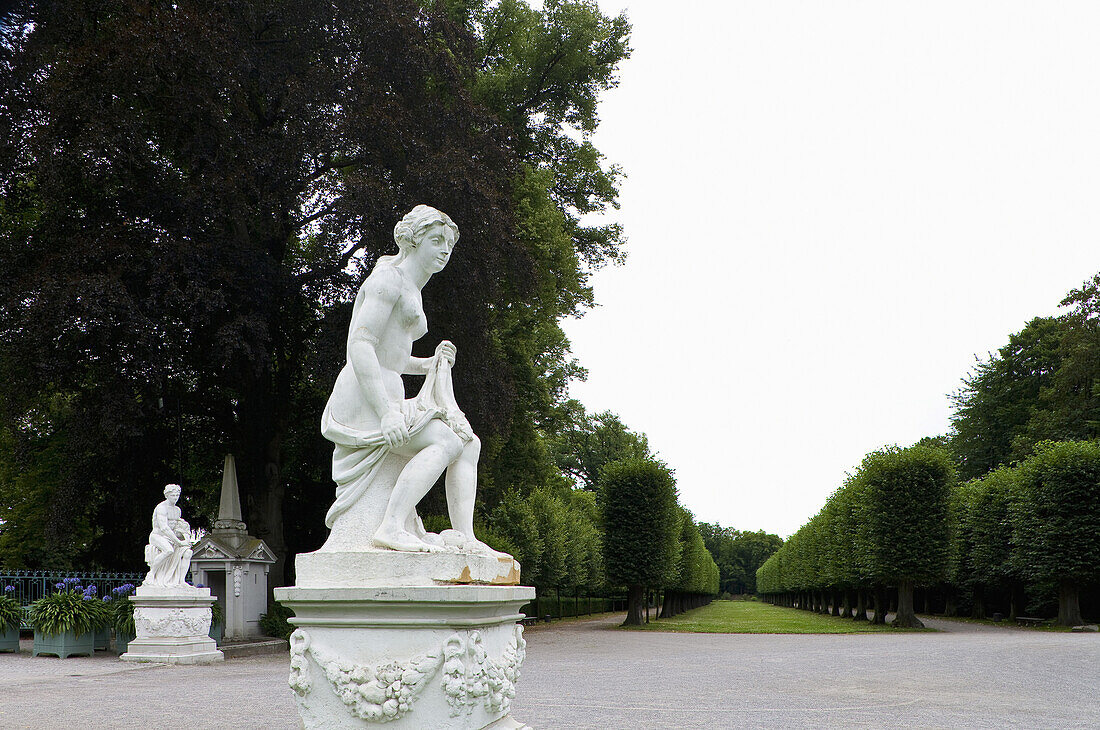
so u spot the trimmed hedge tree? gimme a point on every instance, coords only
(642, 528)
(908, 493)
(1056, 521)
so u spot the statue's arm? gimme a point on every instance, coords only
(418, 366)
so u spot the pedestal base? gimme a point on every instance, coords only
(172, 626)
(441, 657)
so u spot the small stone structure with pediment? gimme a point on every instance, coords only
(233, 563)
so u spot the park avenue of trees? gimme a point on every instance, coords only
(1002, 515)
(192, 193)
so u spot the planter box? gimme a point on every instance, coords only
(64, 645)
(102, 639)
(9, 639)
(122, 642)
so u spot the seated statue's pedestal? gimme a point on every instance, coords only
(440, 657)
(412, 640)
(173, 626)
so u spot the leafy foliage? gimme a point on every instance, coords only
(67, 609)
(907, 497)
(997, 400)
(586, 443)
(122, 610)
(185, 230)
(1055, 510)
(888, 523)
(555, 535)
(274, 622)
(640, 520)
(11, 613)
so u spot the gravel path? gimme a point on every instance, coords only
(586, 674)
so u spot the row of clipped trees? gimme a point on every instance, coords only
(887, 526)
(902, 521)
(628, 531)
(650, 541)
(1030, 529)
(1000, 515)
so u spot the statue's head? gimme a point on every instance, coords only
(172, 492)
(419, 221)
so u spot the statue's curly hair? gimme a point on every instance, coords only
(409, 227)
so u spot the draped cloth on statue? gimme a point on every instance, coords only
(168, 563)
(359, 454)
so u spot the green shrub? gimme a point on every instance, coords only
(122, 610)
(217, 613)
(274, 622)
(11, 613)
(67, 609)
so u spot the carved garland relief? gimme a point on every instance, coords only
(384, 693)
(173, 622)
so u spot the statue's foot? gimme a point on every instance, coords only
(433, 538)
(477, 546)
(404, 541)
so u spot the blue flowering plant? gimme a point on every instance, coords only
(122, 609)
(70, 608)
(11, 613)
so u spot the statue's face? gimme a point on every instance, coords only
(434, 247)
(172, 496)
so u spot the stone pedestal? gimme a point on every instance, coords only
(172, 626)
(443, 657)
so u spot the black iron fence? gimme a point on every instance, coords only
(30, 585)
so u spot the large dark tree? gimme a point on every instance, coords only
(192, 192)
(585, 443)
(997, 400)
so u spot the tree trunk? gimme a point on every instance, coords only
(846, 608)
(880, 605)
(1069, 605)
(634, 598)
(834, 596)
(860, 613)
(978, 609)
(1014, 602)
(906, 617)
(666, 606)
(265, 519)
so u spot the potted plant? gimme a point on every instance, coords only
(101, 625)
(122, 617)
(11, 615)
(65, 621)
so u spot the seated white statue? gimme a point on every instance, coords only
(367, 415)
(168, 553)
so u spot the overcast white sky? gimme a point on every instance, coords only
(832, 208)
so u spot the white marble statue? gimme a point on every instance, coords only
(168, 553)
(368, 416)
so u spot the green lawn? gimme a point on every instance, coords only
(753, 617)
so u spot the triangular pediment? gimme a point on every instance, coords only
(207, 550)
(261, 554)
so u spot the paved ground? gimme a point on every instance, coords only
(588, 675)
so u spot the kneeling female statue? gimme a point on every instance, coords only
(368, 416)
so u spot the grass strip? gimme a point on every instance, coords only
(754, 617)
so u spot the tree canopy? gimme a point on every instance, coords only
(192, 193)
